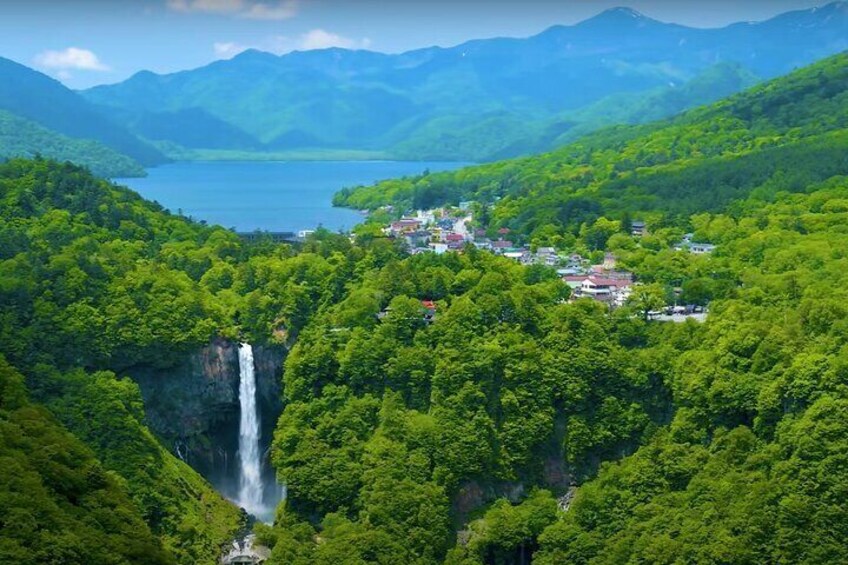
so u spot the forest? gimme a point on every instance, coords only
(458, 408)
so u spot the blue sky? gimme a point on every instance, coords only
(89, 42)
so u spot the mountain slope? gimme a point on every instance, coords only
(20, 137)
(38, 98)
(793, 127)
(59, 504)
(483, 92)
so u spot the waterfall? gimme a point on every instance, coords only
(250, 485)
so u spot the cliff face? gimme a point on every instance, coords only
(194, 406)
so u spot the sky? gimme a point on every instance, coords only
(88, 42)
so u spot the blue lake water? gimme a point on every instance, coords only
(270, 196)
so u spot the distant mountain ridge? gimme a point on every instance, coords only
(492, 94)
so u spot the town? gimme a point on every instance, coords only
(449, 230)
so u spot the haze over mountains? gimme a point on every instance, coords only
(482, 100)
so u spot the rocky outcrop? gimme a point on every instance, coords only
(193, 407)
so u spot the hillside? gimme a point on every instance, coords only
(482, 99)
(793, 127)
(23, 138)
(37, 98)
(508, 425)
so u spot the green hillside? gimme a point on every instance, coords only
(33, 96)
(59, 504)
(500, 135)
(457, 408)
(22, 138)
(791, 128)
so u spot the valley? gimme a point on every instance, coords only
(440, 306)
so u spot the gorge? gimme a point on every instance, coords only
(197, 408)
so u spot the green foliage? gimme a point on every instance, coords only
(190, 518)
(749, 468)
(47, 111)
(22, 138)
(59, 504)
(389, 418)
(721, 442)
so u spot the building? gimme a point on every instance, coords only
(275, 236)
(638, 229)
(439, 247)
(611, 291)
(688, 244)
(701, 248)
(404, 226)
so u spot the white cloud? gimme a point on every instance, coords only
(271, 10)
(251, 9)
(277, 44)
(281, 44)
(228, 49)
(322, 39)
(70, 58)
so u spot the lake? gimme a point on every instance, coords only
(269, 196)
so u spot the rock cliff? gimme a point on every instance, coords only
(193, 406)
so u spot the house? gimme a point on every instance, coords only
(439, 248)
(502, 245)
(688, 244)
(547, 256)
(425, 217)
(404, 226)
(701, 248)
(611, 291)
(483, 243)
(454, 237)
(521, 255)
(417, 238)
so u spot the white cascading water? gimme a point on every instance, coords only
(250, 486)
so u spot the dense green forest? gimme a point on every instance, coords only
(22, 138)
(499, 424)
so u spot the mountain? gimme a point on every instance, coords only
(483, 98)
(794, 127)
(20, 137)
(452, 408)
(36, 97)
